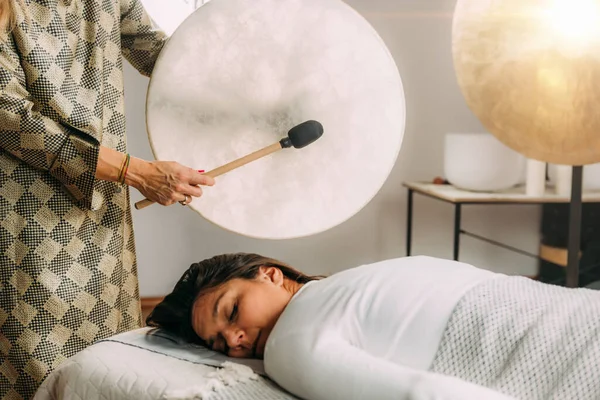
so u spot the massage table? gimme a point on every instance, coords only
(149, 364)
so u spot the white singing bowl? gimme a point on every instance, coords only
(480, 162)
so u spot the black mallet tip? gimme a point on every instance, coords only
(303, 134)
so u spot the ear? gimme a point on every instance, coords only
(271, 274)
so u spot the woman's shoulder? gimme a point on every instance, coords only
(414, 268)
(421, 261)
(329, 301)
(333, 301)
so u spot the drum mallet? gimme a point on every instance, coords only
(299, 136)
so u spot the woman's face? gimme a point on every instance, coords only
(237, 317)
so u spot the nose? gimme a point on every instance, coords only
(234, 337)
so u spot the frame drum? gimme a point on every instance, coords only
(237, 75)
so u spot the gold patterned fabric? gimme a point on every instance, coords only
(68, 274)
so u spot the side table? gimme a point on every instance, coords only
(458, 198)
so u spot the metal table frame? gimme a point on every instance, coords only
(425, 190)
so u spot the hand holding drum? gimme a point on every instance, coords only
(299, 136)
(166, 182)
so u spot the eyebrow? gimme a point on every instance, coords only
(216, 307)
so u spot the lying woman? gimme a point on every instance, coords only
(409, 328)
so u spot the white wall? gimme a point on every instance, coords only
(418, 33)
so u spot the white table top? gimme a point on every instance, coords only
(515, 195)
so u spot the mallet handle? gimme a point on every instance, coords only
(226, 168)
(244, 160)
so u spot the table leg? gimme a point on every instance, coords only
(457, 217)
(572, 278)
(409, 218)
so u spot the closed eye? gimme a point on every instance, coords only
(234, 313)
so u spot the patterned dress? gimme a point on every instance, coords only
(68, 274)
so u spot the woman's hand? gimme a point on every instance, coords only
(165, 182)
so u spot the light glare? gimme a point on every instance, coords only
(575, 19)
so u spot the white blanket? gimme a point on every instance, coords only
(525, 339)
(112, 370)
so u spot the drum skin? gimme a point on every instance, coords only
(237, 75)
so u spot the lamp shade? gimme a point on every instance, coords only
(530, 71)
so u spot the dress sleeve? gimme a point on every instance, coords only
(334, 369)
(67, 154)
(141, 41)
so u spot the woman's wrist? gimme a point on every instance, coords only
(118, 167)
(124, 168)
(109, 164)
(136, 171)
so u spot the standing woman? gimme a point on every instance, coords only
(68, 272)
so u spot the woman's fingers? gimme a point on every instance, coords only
(168, 182)
(195, 191)
(200, 179)
(187, 199)
(189, 185)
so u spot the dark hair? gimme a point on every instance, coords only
(174, 313)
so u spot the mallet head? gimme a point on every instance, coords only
(303, 134)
